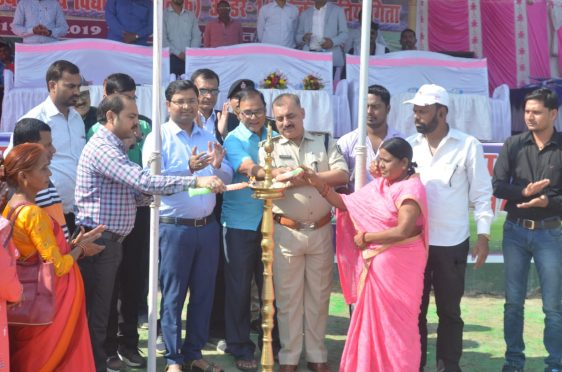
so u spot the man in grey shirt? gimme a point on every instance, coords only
(181, 30)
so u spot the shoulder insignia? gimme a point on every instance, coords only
(338, 149)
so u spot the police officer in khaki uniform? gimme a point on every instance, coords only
(304, 255)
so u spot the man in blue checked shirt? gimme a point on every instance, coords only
(107, 190)
(189, 231)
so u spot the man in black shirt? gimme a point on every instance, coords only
(528, 174)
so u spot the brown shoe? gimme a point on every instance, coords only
(318, 367)
(287, 368)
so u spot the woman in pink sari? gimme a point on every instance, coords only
(382, 252)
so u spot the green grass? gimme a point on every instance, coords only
(496, 232)
(483, 337)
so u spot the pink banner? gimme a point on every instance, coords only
(498, 42)
(537, 23)
(513, 35)
(449, 31)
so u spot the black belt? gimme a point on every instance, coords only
(191, 222)
(107, 235)
(547, 223)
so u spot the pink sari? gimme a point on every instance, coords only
(385, 282)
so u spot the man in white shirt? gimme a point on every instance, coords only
(378, 130)
(323, 28)
(452, 168)
(181, 30)
(277, 23)
(67, 129)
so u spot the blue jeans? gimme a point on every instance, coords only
(545, 247)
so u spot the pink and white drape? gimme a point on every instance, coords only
(511, 34)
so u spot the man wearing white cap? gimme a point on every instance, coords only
(452, 168)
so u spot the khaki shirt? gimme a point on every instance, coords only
(304, 203)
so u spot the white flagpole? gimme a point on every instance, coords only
(360, 149)
(155, 169)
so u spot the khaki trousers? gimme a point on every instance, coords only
(302, 275)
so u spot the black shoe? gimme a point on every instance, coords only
(131, 357)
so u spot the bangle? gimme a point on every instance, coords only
(363, 238)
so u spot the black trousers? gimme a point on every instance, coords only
(129, 287)
(177, 66)
(70, 220)
(242, 263)
(99, 273)
(444, 273)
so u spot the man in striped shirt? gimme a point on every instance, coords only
(31, 130)
(108, 188)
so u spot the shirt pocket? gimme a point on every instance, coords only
(318, 162)
(446, 175)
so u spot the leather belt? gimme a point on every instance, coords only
(547, 223)
(296, 225)
(191, 222)
(106, 235)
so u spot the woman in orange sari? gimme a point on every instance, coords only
(63, 345)
(381, 251)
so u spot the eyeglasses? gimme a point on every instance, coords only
(191, 102)
(257, 113)
(204, 91)
(223, 7)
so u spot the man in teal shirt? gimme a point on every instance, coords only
(241, 216)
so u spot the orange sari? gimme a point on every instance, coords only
(63, 345)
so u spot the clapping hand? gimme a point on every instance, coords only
(215, 154)
(198, 161)
(222, 119)
(535, 188)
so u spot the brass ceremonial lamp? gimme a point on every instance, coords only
(267, 191)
